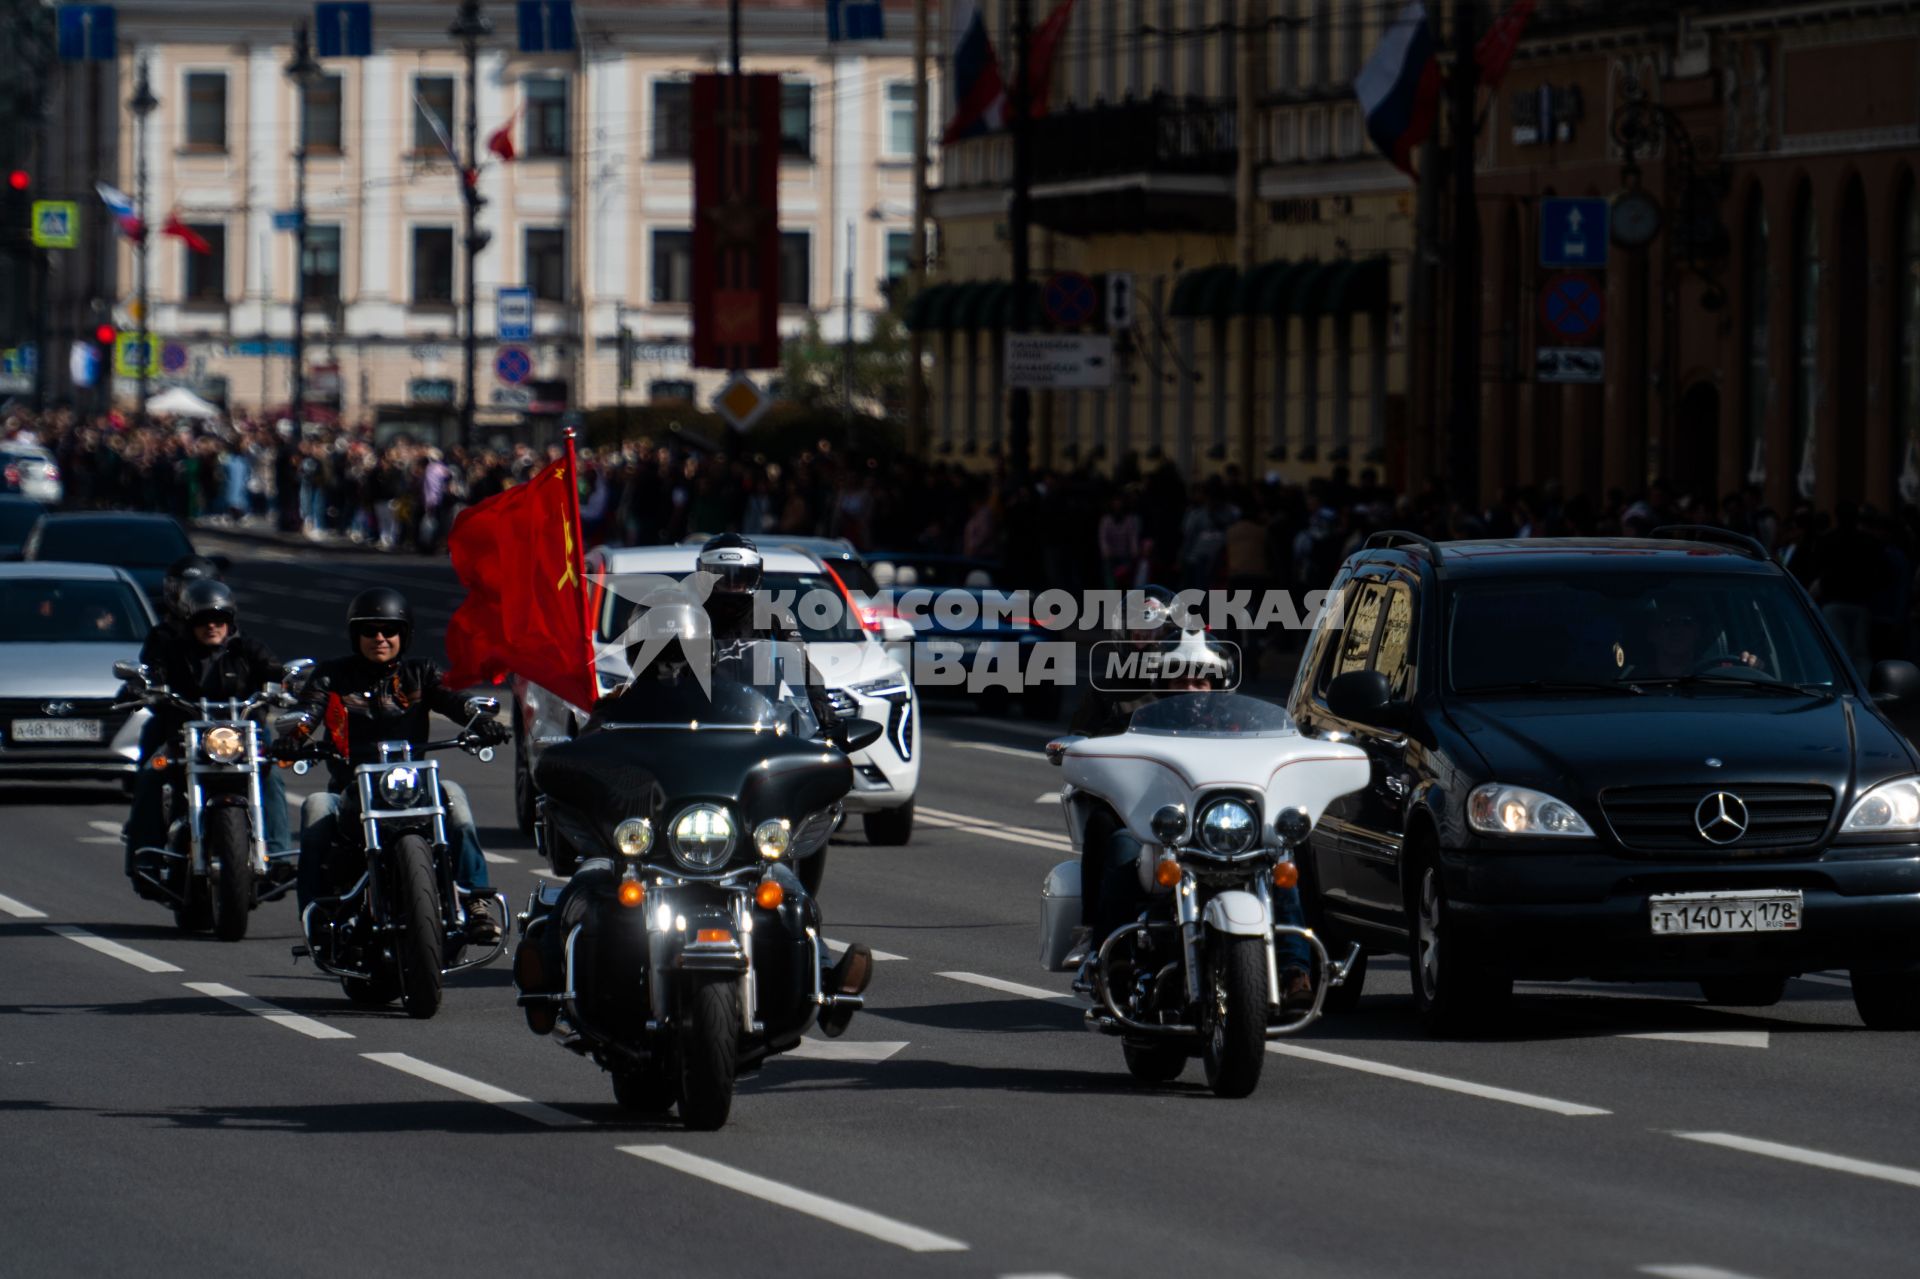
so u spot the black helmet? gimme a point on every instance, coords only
(735, 565)
(380, 604)
(208, 600)
(186, 569)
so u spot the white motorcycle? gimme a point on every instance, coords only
(1219, 789)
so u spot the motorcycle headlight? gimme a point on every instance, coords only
(1890, 806)
(633, 837)
(1494, 809)
(1293, 825)
(224, 745)
(1228, 827)
(1169, 823)
(400, 787)
(772, 837)
(702, 836)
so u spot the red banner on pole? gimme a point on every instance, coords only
(736, 225)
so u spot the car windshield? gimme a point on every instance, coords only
(16, 520)
(128, 543)
(1211, 715)
(905, 573)
(754, 684)
(49, 611)
(1631, 629)
(816, 605)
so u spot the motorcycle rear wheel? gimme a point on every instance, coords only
(709, 1054)
(229, 840)
(421, 944)
(1233, 1019)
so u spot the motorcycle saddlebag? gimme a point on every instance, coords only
(1059, 915)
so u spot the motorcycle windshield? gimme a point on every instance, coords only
(757, 685)
(1212, 715)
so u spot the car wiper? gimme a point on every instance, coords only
(1557, 686)
(1736, 681)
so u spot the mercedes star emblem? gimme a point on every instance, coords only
(1721, 818)
(58, 708)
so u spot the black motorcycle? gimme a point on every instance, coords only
(685, 950)
(398, 926)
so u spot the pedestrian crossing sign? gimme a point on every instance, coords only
(131, 350)
(56, 224)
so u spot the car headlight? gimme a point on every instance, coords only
(703, 836)
(400, 787)
(772, 837)
(1890, 806)
(1228, 828)
(224, 745)
(633, 837)
(1495, 809)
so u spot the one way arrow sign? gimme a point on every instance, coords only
(1119, 301)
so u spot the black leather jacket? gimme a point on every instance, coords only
(363, 703)
(738, 627)
(238, 668)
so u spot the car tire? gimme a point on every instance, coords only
(1888, 1001)
(525, 813)
(889, 827)
(1456, 989)
(1744, 992)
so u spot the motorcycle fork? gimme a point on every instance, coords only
(1186, 912)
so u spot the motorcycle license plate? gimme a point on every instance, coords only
(1772, 911)
(56, 730)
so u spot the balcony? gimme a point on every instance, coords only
(1162, 164)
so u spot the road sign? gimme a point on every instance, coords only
(741, 402)
(510, 397)
(1119, 301)
(1573, 231)
(546, 26)
(1570, 364)
(856, 20)
(286, 220)
(131, 351)
(343, 30)
(56, 224)
(1059, 362)
(513, 365)
(173, 357)
(514, 308)
(1068, 299)
(86, 33)
(1573, 308)
(19, 369)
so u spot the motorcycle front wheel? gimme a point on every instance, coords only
(420, 943)
(229, 841)
(1233, 1014)
(709, 1054)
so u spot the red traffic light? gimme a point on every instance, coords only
(19, 179)
(105, 334)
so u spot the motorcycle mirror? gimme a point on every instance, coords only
(134, 674)
(858, 734)
(299, 670)
(481, 708)
(296, 724)
(1058, 747)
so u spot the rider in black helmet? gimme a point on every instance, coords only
(734, 567)
(377, 694)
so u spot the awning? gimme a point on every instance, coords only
(1309, 293)
(1248, 288)
(929, 308)
(967, 312)
(1276, 294)
(1359, 286)
(1206, 290)
(1006, 305)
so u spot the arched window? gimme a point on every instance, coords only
(1906, 347)
(1756, 304)
(1806, 331)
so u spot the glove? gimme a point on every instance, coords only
(492, 732)
(285, 749)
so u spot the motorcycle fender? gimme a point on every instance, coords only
(1059, 915)
(1237, 914)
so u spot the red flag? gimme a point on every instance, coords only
(1040, 54)
(175, 227)
(1498, 42)
(519, 554)
(500, 141)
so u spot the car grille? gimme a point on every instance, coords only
(1660, 819)
(100, 708)
(845, 704)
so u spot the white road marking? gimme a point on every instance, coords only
(98, 839)
(1821, 979)
(1692, 1272)
(499, 860)
(869, 1052)
(1811, 1158)
(846, 1216)
(272, 1012)
(1047, 797)
(112, 949)
(547, 874)
(1445, 1082)
(19, 909)
(477, 1090)
(880, 956)
(1000, 750)
(1726, 1038)
(981, 826)
(1013, 988)
(106, 828)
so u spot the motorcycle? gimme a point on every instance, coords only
(400, 927)
(685, 950)
(1219, 789)
(215, 867)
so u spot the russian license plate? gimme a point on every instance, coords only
(1774, 911)
(56, 730)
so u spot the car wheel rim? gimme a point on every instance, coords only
(1429, 925)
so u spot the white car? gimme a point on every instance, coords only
(862, 678)
(29, 470)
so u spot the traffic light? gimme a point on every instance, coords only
(105, 334)
(19, 180)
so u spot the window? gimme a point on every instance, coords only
(796, 121)
(900, 140)
(546, 264)
(1286, 39)
(1806, 329)
(1756, 305)
(546, 116)
(207, 111)
(673, 266)
(1196, 47)
(321, 265)
(899, 254)
(320, 114)
(1393, 658)
(1321, 71)
(1351, 648)
(432, 265)
(433, 100)
(796, 268)
(672, 119)
(1168, 21)
(207, 272)
(1906, 345)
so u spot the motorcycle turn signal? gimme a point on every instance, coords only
(632, 891)
(769, 894)
(1167, 873)
(1286, 875)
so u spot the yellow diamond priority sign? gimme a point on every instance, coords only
(740, 402)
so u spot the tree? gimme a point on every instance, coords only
(813, 370)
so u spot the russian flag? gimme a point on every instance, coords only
(1399, 88)
(980, 94)
(121, 206)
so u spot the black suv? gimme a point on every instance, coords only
(1610, 758)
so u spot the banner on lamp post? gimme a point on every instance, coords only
(736, 233)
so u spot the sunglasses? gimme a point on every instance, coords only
(377, 630)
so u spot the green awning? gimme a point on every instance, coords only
(1309, 294)
(929, 308)
(1276, 295)
(1248, 288)
(966, 306)
(1360, 286)
(1216, 295)
(1007, 305)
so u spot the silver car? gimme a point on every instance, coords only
(62, 627)
(32, 472)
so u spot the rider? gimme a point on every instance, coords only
(1110, 891)
(375, 694)
(200, 653)
(735, 567)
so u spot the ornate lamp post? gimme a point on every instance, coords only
(305, 74)
(470, 27)
(142, 104)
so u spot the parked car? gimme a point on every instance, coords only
(29, 470)
(143, 545)
(62, 627)
(861, 678)
(1615, 759)
(18, 515)
(910, 584)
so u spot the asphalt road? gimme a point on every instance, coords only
(178, 1106)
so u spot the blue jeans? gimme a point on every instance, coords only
(146, 825)
(1118, 899)
(319, 826)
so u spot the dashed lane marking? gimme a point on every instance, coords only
(881, 956)
(1692, 1272)
(477, 1090)
(1811, 1158)
(997, 749)
(868, 1052)
(272, 1012)
(980, 826)
(1724, 1038)
(112, 949)
(1446, 1083)
(1013, 988)
(19, 909)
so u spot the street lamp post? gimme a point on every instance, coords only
(143, 104)
(470, 27)
(305, 73)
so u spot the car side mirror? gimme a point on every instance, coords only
(134, 674)
(1894, 682)
(1364, 697)
(858, 734)
(481, 708)
(896, 630)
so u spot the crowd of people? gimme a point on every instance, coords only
(1077, 530)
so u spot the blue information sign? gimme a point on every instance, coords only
(86, 33)
(856, 20)
(546, 26)
(344, 30)
(1573, 231)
